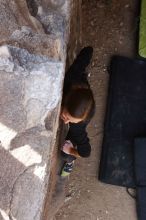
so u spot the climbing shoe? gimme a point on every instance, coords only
(67, 168)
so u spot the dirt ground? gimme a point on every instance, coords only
(110, 26)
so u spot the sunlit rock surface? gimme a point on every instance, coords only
(33, 48)
(30, 87)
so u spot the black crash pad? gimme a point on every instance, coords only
(125, 120)
(141, 203)
(140, 176)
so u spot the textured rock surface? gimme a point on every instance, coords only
(30, 87)
(33, 43)
(46, 33)
(37, 43)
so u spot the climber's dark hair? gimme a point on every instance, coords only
(79, 102)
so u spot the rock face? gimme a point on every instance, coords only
(30, 87)
(33, 42)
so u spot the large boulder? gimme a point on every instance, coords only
(33, 46)
(30, 94)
